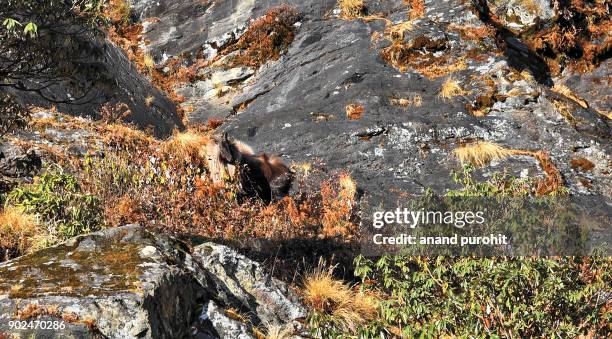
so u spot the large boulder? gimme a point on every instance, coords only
(129, 283)
(122, 283)
(246, 286)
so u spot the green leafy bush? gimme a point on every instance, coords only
(490, 297)
(58, 199)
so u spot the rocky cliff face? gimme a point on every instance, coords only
(129, 283)
(392, 66)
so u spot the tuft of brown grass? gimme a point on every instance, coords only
(565, 91)
(21, 231)
(481, 153)
(415, 100)
(338, 204)
(149, 101)
(450, 88)
(417, 9)
(354, 111)
(345, 307)
(434, 71)
(189, 145)
(148, 62)
(351, 9)
(279, 332)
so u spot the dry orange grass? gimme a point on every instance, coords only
(351, 9)
(354, 111)
(481, 153)
(189, 145)
(435, 71)
(413, 100)
(451, 88)
(417, 9)
(565, 91)
(20, 231)
(338, 203)
(346, 307)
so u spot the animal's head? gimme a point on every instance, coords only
(228, 152)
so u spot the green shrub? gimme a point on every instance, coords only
(57, 198)
(490, 297)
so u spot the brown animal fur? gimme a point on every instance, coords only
(263, 176)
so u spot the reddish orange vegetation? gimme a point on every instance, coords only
(474, 33)
(338, 204)
(582, 164)
(571, 40)
(553, 181)
(354, 111)
(129, 37)
(266, 37)
(154, 183)
(403, 55)
(417, 9)
(213, 123)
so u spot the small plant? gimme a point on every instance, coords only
(57, 198)
(112, 114)
(119, 12)
(148, 62)
(149, 101)
(416, 100)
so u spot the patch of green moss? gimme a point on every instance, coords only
(111, 266)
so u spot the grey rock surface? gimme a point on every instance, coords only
(296, 106)
(245, 285)
(129, 283)
(116, 83)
